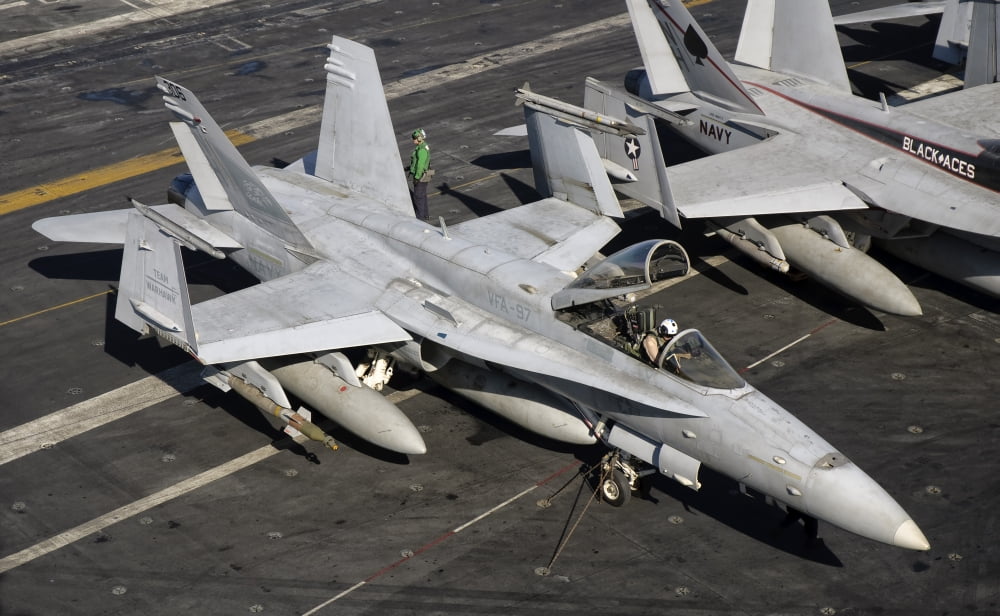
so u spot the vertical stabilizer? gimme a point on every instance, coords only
(640, 153)
(795, 37)
(981, 62)
(567, 165)
(952, 40)
(153, 292)
(357, 145)
(708, 75)
(221, 173)
(665, 76)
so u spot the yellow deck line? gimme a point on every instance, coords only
(109, 174)
(51, 308)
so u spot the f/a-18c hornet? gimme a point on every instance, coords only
(802, 172)
(499, 309)
(967, 33)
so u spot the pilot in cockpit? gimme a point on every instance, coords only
(653, 341)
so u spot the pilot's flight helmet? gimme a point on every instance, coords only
(668, 327)
(419, 134)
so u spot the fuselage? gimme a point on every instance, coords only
(854, 137)
(493, 310)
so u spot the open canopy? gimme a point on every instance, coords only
(629, 270)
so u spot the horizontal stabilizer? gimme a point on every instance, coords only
(153, 292)
(549, 231)
(109, 227)
(316, 309)
(640, 153)
(567, 165)
(669, 110)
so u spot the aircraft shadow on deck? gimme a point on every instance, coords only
(106, 265)
(502, 161)
(922, 279)
(95, 265)
(132, 349)
(522, 192)
(891, 40)
(476, 206)
(720, 499)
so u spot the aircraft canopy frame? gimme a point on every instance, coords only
(691, 356)
(629, 270)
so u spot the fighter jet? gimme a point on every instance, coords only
(516, 311)
(967, 33)
(801, 171)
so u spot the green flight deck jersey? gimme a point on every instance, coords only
(420, 160)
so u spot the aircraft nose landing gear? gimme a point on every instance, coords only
(620, 476)
(615, 489)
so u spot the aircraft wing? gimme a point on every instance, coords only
(550, 231)
(887, 13)
(905, 185)
(769, 178)
(972, 109)
(319, 308)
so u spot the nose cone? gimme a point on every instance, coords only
(908, 536)
(844, 495)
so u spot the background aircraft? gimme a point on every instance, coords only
(967, 33)
(492, 308)
(803, 172)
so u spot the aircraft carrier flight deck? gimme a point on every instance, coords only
(129, 487)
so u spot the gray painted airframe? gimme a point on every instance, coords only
(967, 33)
(801, 171)
(499, 309)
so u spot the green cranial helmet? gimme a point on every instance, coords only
(419, 134)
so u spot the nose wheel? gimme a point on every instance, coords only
(619, 477)
(615, 489)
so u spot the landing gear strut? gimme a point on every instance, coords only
(620, 475)
(377, 370)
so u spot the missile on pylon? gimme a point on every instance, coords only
(618, 172)
(574, 113)
(755, 252)
(848, 271)
(357, 408)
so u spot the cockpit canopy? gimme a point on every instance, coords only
(629, 270)
(690, 356)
